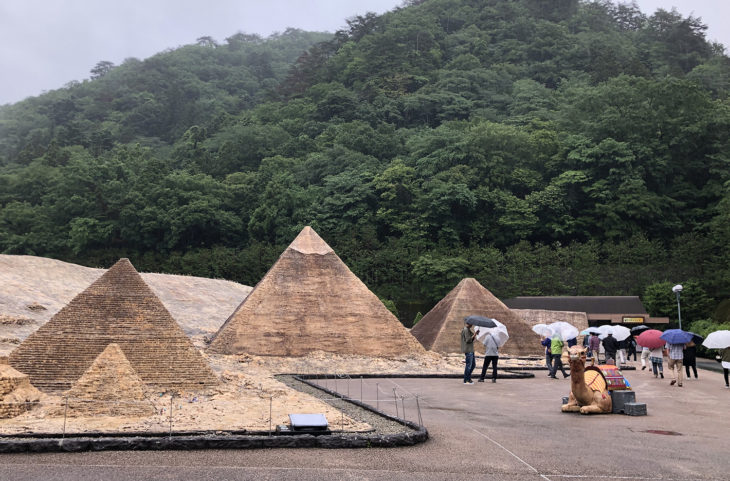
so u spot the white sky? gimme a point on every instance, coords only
(46, 43)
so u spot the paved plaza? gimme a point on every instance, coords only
(512, 430)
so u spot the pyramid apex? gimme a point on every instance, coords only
(123, 262)
(309, 242)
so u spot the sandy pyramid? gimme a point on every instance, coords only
(117, 308)
(17, 395)
(110, 387)
(439, 329)
(310, 301)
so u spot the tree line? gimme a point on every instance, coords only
(544, 148)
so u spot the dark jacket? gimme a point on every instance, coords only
(546, 342)
(610, 344)
(690, 356)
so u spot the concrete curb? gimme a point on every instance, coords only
(333, 441)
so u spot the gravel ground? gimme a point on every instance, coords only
(381, 424)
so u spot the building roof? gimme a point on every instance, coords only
(310, 301)
(588, 304)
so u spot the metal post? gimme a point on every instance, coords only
(403, 403)
(395, 399)
(171, 398)
(679, 311)
(336, 383)
(271, 403)
(360, 388)
(377, 396)
(342, 420)
(418, 407)
(348, 385)
(64, 419)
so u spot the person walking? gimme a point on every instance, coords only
(621, 353)
(725, 361)
(548, 355)
(467, 347)
(594, 345)
(676, 356)
(690, 359)
(610, 345)
(645, 351)
(556, 351)
(656, 357)
(491, 355)
(632, 348)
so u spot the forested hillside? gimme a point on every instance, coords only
(544, 148)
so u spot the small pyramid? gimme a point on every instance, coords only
(17, 395)
(439, 329)
(117, 308)
(110, 387)
(310, 301)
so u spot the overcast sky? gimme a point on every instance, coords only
(46, 43)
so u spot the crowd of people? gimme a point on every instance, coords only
(616, 352)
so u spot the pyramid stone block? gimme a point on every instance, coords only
(110, 387)
(117, 308)
(439, 329)
(309, 301)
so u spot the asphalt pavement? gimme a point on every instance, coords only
(511, 430)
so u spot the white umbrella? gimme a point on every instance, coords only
(499, 333)
(717, 340)
(563, 330)
(543, 330)
(620, 332)
(604, 330)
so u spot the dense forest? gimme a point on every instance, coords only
(545, 148)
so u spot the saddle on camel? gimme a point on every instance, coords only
(588, 387)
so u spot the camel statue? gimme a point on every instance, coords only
(587, 396)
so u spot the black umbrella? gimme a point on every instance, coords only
(639, 329)
(480, 321)
(696, 338)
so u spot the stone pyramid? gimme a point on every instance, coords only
(439, 329)
(117, 308)
(17, 395)
(310, 301)
(110, 387)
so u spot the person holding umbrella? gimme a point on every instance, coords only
(725, 361)
(610, 345)
(467, 347)
(491, 355)
(594, 345)
(690, 359)
(652, 339)
(645, 352)
(720, 340)
(656, 356)
(676, 340)
(632, 348)
(556, 352)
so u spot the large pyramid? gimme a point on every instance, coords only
(117, 308)
(439, 329)
(110, 387)
(309, 301)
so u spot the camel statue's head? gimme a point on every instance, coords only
(577, 353)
